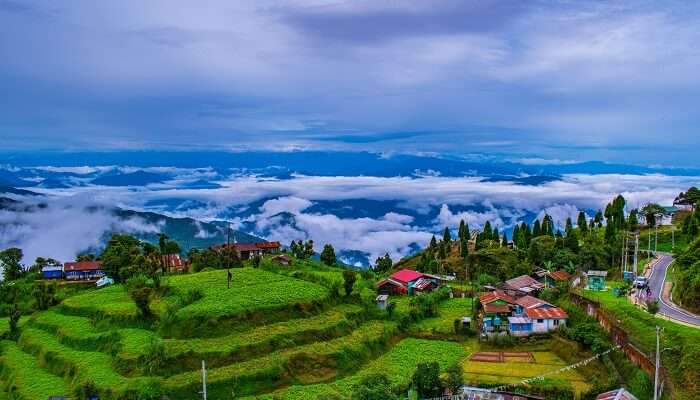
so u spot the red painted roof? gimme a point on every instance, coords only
(82, 266)
(406, 275)
(172, 260)
(546, 313)
(268, 245)
(560, 275)
(530, 302)
(496, 295)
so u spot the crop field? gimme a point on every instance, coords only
(450, 310)
(513, 370)
(22, 371)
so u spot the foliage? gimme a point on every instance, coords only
(140, 289)
(349, 278)
(454, 378)
(383, 264)
(426, 380)
(11, 262)
(302, 250)
(650, 211)
(123, 257)
(373, 387)
(328, 255)
(44, 295)
(155, 357)
(652, 306)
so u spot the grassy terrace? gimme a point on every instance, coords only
(450, 310)
(398, 364)
(684, 341)
(22, 371)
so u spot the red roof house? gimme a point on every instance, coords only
(546, 313)
(406, 281)
(83, 270)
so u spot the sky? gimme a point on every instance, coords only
(553, 80)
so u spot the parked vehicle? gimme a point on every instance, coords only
(104, 281)
(641, 282)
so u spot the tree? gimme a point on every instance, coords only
(633, 221)
(15, 315)
(167, 246)
(328, 255)
(44, 295)
(426, 380)
(373, 387)
(536, 229)
(581, 223)
(446, 236)
(688, 198)
(463, 231)
(463, 247)
(383, 264)
(455, 378)
(650, 212)
(123, 257)
(209, 258)
(349, 279)
(308, 249)
(11, 262)
(141, 291)
(504, 242)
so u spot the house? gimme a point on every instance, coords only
(520, 326)
(552, 279)
(617, 394)
(283, 260)
(596, 280)
(496, 307)
(407, 281)
(546, 319)
(83, 270)
(246, 251)
(522, 285)
(172, 263)
(382, 301)
(52, 272)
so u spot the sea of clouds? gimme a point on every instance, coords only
(76, 218)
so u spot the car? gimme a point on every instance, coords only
(104, 281)
(641, 282)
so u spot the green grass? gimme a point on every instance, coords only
(449, 310)
(398, 364)
(22, 371)
(252, 289)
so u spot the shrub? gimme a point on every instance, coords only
(653, 306)
(349, 279)
(373, 387)
(426, 379)
(155, 357)
(141, 291)
(455, 377)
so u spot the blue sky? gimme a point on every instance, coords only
(613, 81)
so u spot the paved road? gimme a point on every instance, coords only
(666, 307)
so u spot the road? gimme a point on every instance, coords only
(666, 307)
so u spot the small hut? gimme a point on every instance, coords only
(382, 301)
(596, 280)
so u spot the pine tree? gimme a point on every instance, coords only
(504, 242)
(462, 231)
(569, 226)
(496, 239)
(536, 229)
(446, 237)
(487, 230)
(328, 255)
(517, 239)
(463, 248)
(581, 223)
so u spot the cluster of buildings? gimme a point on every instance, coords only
(513, 307)
(92, 270)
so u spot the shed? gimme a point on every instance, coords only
(52, 272)
(596, 279)
(283, 260)
(382, 301)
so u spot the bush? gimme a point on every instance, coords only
(349, 279)
(140, 289)
(155, 357)
(455, 377)
(373, 387)
(426, 380)
(653, 306)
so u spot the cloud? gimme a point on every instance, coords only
(63, 228)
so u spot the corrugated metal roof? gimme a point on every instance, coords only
(82, 266)
(546, 313)
(406, 275)
(496, 308)
(523, 281)
(618, 394)
(519, 320)
(531, 302)
(422, 283)
(496, 295)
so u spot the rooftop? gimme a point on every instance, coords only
(406, 275)
(82, 266)
(546, 313)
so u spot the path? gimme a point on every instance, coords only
(666, 306)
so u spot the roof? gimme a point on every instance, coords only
(560, 275)
(172, 260)
(617, 394)
(495, 295)
(49, 268)
(496, 308)
(268, 245)
(406, 275)
(523, 281)
(519, 320)
(422, 283)
(82, 266)
(246, 247)
(546, 313)
(597, 273)
(391, 281)
(530, 302)
(282, 257)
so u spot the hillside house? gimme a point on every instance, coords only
(496, 307)
(246, 251)
(407, 281)
(546, 319)
(552, 279)
(596, 280)
(521, 286)
(52, 272)
(173, 263)
(83, 270)
(617, 394)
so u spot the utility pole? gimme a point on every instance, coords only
(658, 359)
(204, 380)
(656, 237)
(673, 236)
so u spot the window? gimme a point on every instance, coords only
(539, 321)
(556, 322)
